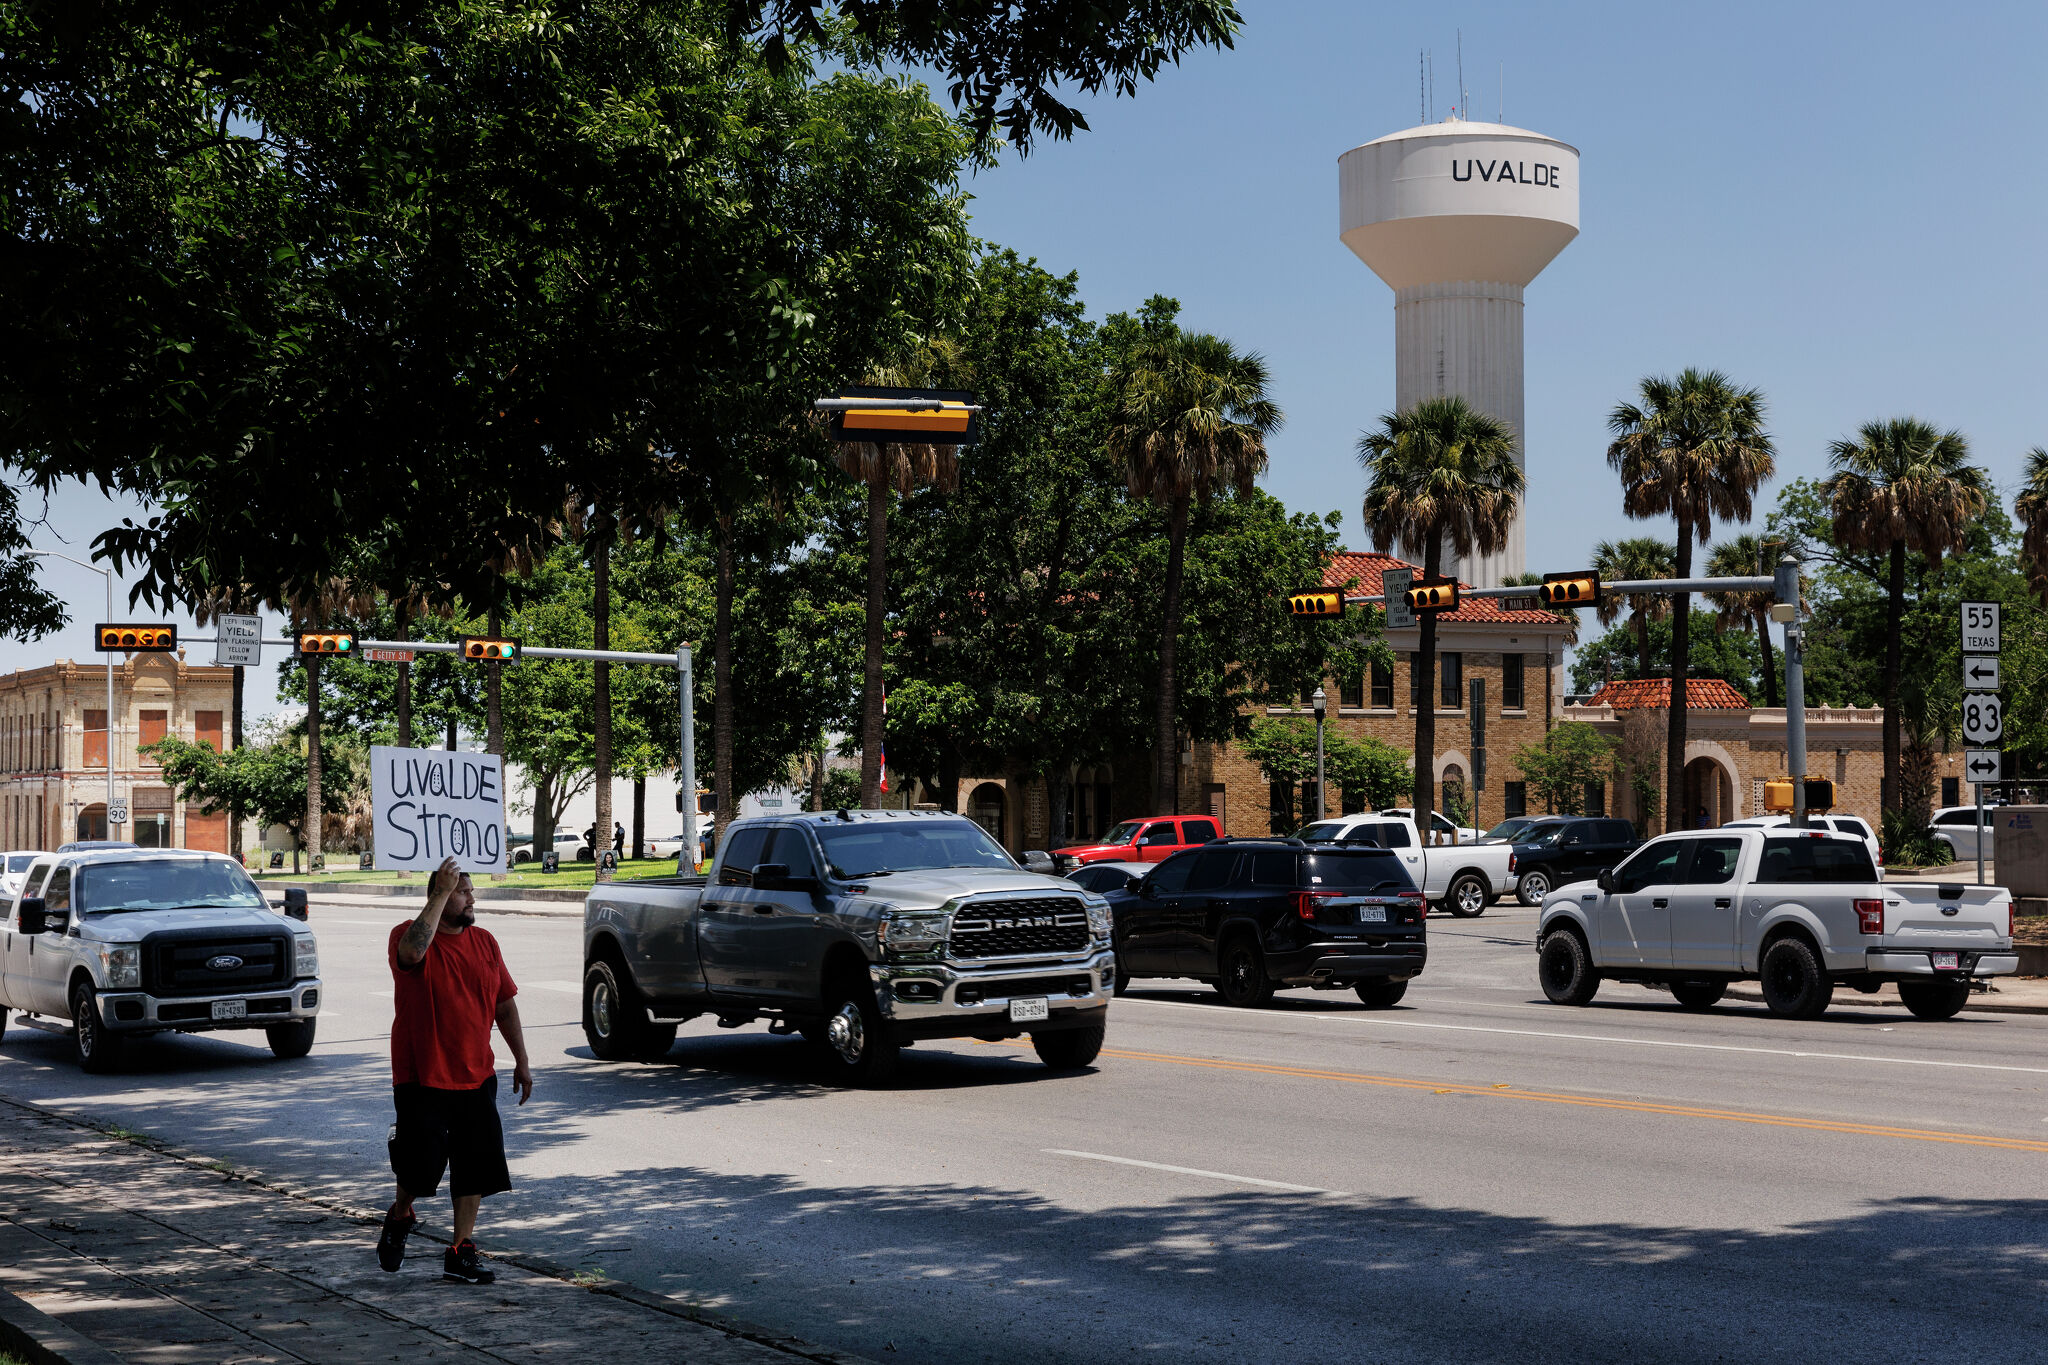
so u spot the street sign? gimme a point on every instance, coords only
(1395, 582)
(238, 641)
(1983, 719)
(117, 811)
(1981, 765)
(388, 656)
(1980, 627)
(1980, 673)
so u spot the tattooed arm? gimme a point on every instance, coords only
(419, 935)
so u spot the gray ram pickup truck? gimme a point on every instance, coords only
(860, 930)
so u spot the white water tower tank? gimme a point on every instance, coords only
(1458, 218)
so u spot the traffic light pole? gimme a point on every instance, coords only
(1786, 585)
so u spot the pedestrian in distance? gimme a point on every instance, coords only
(450, 986)
(618, 838)
(590, 842)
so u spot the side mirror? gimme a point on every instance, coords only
(32, 918)
(1038, 860)
(1605, 881)
(295, 902)
(1146, 890)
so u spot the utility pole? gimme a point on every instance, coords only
(1322, 705)
(1786, 611)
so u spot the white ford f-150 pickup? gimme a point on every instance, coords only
(1802, 911)
(1461, 878)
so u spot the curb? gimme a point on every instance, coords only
(40, 1339)
(374, 1218)
(1746, 992)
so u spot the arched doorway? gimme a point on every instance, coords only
(92, 822)
(985, 807)
(1709, 795)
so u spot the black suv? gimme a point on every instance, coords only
(1253, 915)
(1560, 851)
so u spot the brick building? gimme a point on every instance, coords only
(55, 741)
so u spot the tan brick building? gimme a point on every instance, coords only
(55, 740)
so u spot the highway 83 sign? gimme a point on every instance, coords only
(1983, 719)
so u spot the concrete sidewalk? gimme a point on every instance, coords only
(123, 1250)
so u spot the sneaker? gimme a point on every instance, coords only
(391, 1243)
(462, 1263)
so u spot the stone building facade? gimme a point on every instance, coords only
(55, 741)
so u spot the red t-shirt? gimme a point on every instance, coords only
(446, 1006)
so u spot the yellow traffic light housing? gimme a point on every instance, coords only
(327, 642)
(1571, 590)
(1439, 594)
(1316, 604)
(134, 638)
(1820, 795)
(489, 649)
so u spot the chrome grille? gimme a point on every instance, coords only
(1020, 927)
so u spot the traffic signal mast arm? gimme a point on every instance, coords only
(1647, 585)
(610, 656)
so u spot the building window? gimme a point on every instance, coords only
(1511, 697)
(1516, 797)
(1280, 808)
(96, 745)
(1596, 798)
(1414, 681)
(1308, 801)
(1351, 690)
(1383, 687)
(1951, 791)
(154, 725)
(1451, 680)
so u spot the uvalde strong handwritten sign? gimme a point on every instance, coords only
(431, 804)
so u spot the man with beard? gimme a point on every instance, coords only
(450, 987)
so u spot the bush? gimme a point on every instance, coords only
(1910, 843)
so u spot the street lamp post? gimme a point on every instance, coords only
(1321, 701)
(108, 574)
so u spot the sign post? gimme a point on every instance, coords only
(1983, 712)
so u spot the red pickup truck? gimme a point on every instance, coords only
(1141, 841)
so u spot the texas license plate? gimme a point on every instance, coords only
(1024, 1011)
(239, 1009)
(1946, 962)
(1372, 914)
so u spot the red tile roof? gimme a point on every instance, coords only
(1367, 565)
(1701, 694)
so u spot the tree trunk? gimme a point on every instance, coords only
(543, 813)
(949, 784)
(451, 732)
(1642, 644)
(494, 698)
(818, 779)
(314, 833)
(1166, 748)
(601, 692)
(722, 700)
(1763, 636)
(1058, 792)
(235, 742)
(1676, 818)
(1895, 609)
(640, 817)
(871, 683)
(403, 610)
(1423, 797)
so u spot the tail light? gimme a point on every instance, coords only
(1880, 857)
(2008, 919)
(1869, 917)
(1415, 901)
(1512, 860)
(1305, 903)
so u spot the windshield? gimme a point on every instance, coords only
(19, 862)
(869, 849)
(1329, 832)
(1124, 833)
(1508, 830)
(164, 884)
(1542, 837)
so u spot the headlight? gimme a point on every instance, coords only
(305, 956)
(1098, 915)
(913, 931)
(1067, 862)
(121, 966)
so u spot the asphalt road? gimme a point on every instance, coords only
(1477, 1175)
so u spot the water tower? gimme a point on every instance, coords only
(1457, 218)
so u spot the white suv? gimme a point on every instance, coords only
(1957, 827)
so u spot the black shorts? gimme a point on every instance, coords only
(455, 1131)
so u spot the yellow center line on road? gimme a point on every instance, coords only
(1510, 1092)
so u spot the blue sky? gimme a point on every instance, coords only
(1841, 205)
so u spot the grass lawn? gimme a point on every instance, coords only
(572, 875)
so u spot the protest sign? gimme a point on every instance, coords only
(430, 804)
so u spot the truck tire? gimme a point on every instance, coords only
(1698, 995)
(1934, 999)
(1242, 979)
(1381, 995)
(98, 1051)
(1795, 986)
(1069, 1049)
(1533, 887)
(288, 1041)
(1467, 895)
(857, 1045)
(1566, 969)
(614, 1019)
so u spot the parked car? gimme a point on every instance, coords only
(1802, 911)
(14, 866)
(1463, 879)
(1958, 828)
(1251, 916)
(1141, 841)
(570, 846)
(1841, 824)
(671, 845)
(1567, 849)
(860, 930)
(1510, 830)
(108, 944)
(1103, 878)
(1442, 829)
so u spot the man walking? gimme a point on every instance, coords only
(450, 986)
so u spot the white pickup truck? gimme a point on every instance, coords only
(1803, 911)
(1461, 878)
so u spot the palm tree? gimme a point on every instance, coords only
(1632, 561)
(1441, 471)
(1191, 421)
(1694, 449)
(1744, 557)
(1901, 485)
(2031, 507)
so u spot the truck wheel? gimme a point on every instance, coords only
(1698, 995)
(1794, 985)
(1466, 897)
(1533, 887)
(1381, 995)
(1069, 1049)
(1566, 969)
(291, 1040)
(1244, 982)
(612, 1021)
(99, 1051)
(1934, 999)
(857, 1045)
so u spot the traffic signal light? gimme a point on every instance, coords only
(486, 649)
(1316, 604)
(327, 642)
(1440, 594)
(135, 638)
(1820, 794)
(1569, 590)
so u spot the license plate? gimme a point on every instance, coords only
(1946, 962)
(1023, 1011)
(1372, 914)
(239, 1009)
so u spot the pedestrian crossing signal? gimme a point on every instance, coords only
(486, 649)
(1570, 590)
(1820, 794)
(138, 639)
(327, 642)
(1316, 604)
(1439, 594)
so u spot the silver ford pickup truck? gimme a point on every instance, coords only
(860, 930)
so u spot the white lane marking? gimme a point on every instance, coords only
(1191, 1170)
(364, 923)
(566, 987)
(1610, 1038)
